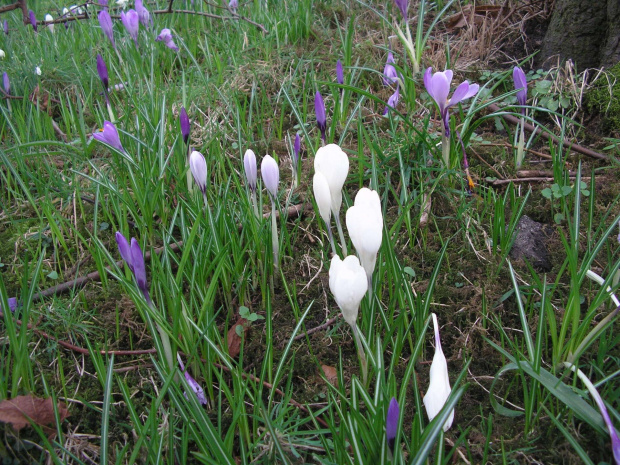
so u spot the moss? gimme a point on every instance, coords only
(604, 99)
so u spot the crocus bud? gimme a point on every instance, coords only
(2, 54)
(102, 69)
(391, 422)
(249, 165)
(322, 196)
(124, 249)
(390, 76)
(333, 163)
(48, 19)
(5, 27)
(143, 13)
(139, 269)
(185, 125)
(339, 72)
(37, 71)
(6, 83)
(131, 21)
(439, 387)
(105, 21)
(233, 5)
(12, 301)
(165, 36)
(348, 284)
(365, 224)
(109, 136)
(198, 391)
(518, 76)
(198, 166)
(297, 147)
(271, 175)
(402, 6)
(33, 20)
(319, 109)
(392, 101)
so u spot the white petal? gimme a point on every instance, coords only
(333, 163)
(365, 224)
(347, 281)
(322, 196)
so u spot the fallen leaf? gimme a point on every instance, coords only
(40, 410)
(331, 374)
(234, 338)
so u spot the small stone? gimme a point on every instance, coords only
(531, 244)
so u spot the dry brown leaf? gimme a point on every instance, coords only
(234, 341)
(331, 374)
(40, 410)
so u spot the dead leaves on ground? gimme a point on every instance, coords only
(21, 410)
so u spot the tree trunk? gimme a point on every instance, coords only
(586, 31)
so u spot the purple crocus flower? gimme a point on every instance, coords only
(5, 26)
(33, 20)
(185, 125)
(105, 21)
(249, 165)
(271, 175)
(198, 167)
(198, 391)
(392, 101)
(233, 5)
(518, 76)
(319, 109)
(297, 148)
(402, 6)
(390, 76)
(103, 4)
(124, 249)
(339, 72)
(6, 83)
(131, 21)
(102, 69)
(143, 13)
(12, 301)
(165, 36)
(391, 422)
(438, 87)
(139, 269)
(109, 136)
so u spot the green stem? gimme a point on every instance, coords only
(343, 243)
(274, 234)
(331, 238)
(521, 146)
(360, 353)
(445, 150)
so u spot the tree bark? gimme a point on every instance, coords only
(586, 31)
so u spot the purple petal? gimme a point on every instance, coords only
(33, 20)
(105, 21)
(5, 26)
(185, 124)
(339, 72)
(391, 422)
(124, 249)
(297, 147)
(109, 136)
(390, 76)
(12, 301)
(143, 14)
(402, 6)
(271, 175)
(460, 93)
(392, 101)
(102, 69)
(139, 268)
(131, 21)
(198, 391)
(520, 81)
(319, 109)
(249, 165)
(5, 82)
(198, 167)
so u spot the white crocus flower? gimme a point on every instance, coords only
(365, 224)
(37, 70)
(333, 163)
(49, 18)
(2, 54)
(347, 281)
(439, 387)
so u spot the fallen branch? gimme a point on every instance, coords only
(547, 135)
(318, 328)
(501, 182)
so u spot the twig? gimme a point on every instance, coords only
(500, 182)
(548, 135)
(211, 15)
(318, 328)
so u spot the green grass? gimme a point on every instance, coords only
(506, 327)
